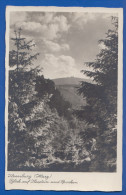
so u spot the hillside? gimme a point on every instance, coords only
(70, 81)
(68, 88)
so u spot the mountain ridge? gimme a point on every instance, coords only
(68, 88)
(70, 81)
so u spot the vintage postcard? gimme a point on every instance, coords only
(63, 115)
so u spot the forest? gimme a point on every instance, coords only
(45, 133)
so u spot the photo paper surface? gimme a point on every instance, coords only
(63, 116)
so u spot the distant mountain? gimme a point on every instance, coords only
(69, 92)
(68, 88)
(70, 81)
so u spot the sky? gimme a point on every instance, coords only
(64, 40)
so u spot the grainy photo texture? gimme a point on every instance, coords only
(62, 91)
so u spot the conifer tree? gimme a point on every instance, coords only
(21, 84)
(101, 96)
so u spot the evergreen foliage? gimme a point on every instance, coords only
(43, 131)
(101, 96)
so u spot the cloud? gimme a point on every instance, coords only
(80, 19)
(49, 18)
(17, 17)
(64, 40)
(29, 26)
(62, 22)
(83, 17)
(55, 47)
(47, 25)
(65, 46)
(58, 67)
(41, 17)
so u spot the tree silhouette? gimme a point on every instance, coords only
(101, 96)
(21, 56)
(21, 84)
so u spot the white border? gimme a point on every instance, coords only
(86, 181)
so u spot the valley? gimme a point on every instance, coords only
(68, 88)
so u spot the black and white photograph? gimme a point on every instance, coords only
(63, 69)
